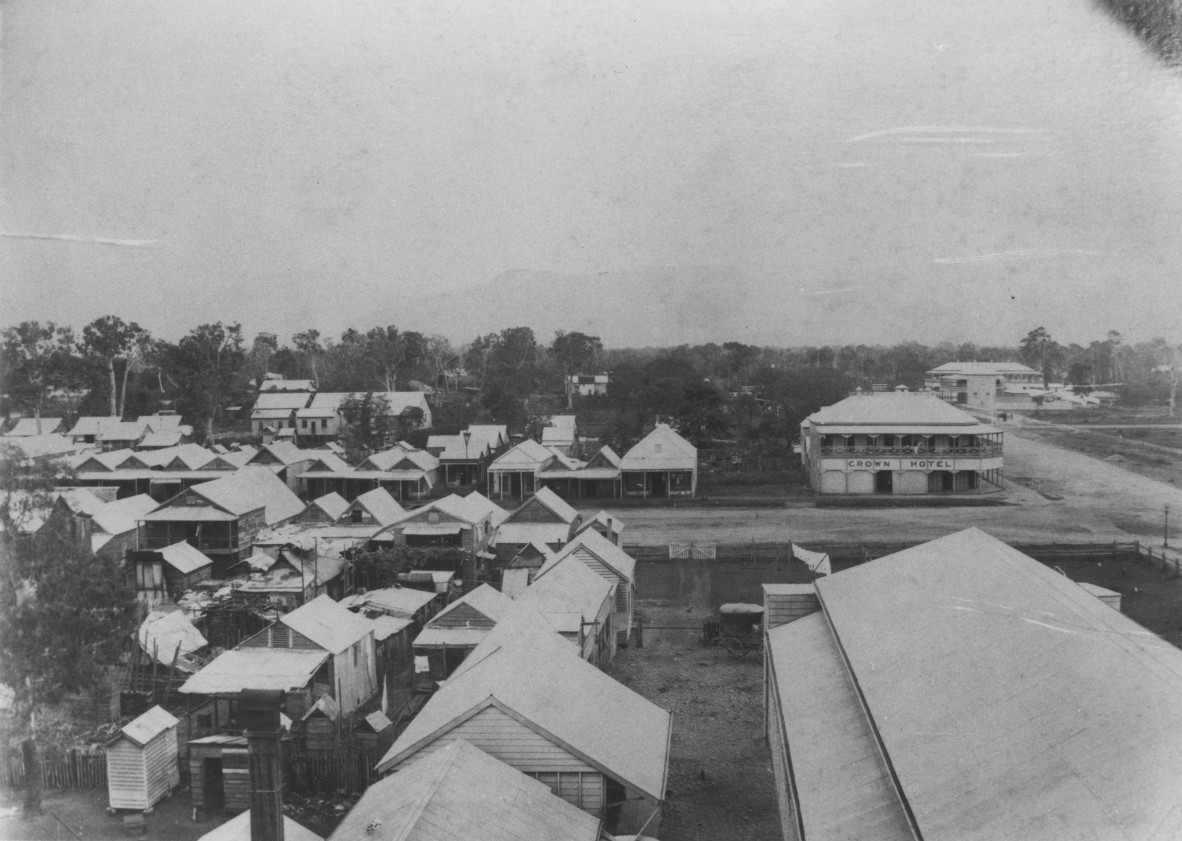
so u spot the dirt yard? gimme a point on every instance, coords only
(720, 778)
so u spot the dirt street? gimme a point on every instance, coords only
(1100, 502)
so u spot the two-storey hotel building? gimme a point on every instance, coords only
(899, 443)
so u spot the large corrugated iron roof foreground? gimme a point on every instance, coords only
(1010, 702)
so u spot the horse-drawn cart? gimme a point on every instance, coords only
(738, 629)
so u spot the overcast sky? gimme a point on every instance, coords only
(284, 164)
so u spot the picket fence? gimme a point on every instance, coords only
(77, 769)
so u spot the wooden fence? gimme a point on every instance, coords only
(77, 769)
(846, 553)
(349, 769)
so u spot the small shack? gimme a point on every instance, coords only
(142, 761)
(320, 724)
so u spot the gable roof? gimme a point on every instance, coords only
(605, 458)
(388, 459)
(453, 505)
(480, 506)
(454, 448)
(81, 501)
(327, 623)
(460, 792)
(551, 501)
(661, 449)
(613, 524)
(485, 599)
(327, 462)
(148, 726)
(592, 543)
(124, 431)
(528, 455)
(563, 698)
(991, 678)
(92, 425)
(161, 423)
(570, 595)
(380, 505)
(238, 829)
(284, 452)
(496, 435)
(26, 427)
(332, 504)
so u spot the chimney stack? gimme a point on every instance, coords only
(260, 713)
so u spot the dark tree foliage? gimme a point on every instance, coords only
(369, 424)
(207, 369)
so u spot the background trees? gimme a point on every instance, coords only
(109, 340)
(207, 369)
(35, 359)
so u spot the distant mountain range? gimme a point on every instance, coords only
(665, 307)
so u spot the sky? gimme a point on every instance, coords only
(296, 163)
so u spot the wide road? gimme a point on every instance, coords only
(1101, 502)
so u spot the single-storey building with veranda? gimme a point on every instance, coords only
(960, 689)
(899, 443)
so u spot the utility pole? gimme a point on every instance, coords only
(1166, 529)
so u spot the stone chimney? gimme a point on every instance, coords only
(260, 709)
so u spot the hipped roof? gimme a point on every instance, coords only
(893, 409)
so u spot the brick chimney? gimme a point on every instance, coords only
(260, 709)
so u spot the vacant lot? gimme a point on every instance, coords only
(720, 778)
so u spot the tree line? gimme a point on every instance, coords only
(711, 391)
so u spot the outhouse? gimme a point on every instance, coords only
(142, 761)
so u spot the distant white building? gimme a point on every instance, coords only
(587, 385)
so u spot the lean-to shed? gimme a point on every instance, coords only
(142, 761)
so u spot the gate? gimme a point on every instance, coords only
(693, 551)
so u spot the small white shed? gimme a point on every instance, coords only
(142, 761)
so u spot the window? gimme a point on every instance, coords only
(656, 448)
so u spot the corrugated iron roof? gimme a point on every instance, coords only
(327, 623)
(400, 601)
(1011, 702)
(485, 599)
(238, 829)
(123, 515)
(568, 589)
(982, 368)
(526, 456)
(251, 488)
(148, 726)
(661, 449)
(892, 409)
(522, 533)
(184, 558)
(26, 427)
(552, 501)
(460, 792)
(480, 505)
(381, 506)
(284, 401)
(332, 504)
(563, 698)
(843, 785)
(256, 668)
(593, 543)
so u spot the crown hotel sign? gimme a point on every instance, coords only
(919, 463)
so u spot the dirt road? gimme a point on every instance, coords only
(1100, 502)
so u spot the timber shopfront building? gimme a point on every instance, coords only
(899, 443)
